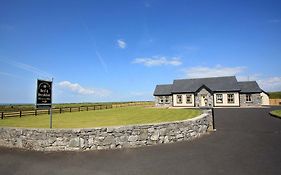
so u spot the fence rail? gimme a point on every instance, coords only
(275, 101)
(60, 110)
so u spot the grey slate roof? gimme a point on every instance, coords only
(214, 84)
(249, 87)
(164, 89)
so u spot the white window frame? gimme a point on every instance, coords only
(230, 98)
(161, 100)
(188, 98)
(219, 98)
(248, 98)
(167, 99)
(179, 99)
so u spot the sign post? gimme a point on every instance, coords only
(44, 96)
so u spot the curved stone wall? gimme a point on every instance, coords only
(106, 137)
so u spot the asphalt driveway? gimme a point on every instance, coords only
(247, 141)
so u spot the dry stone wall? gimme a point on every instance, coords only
(107, 137)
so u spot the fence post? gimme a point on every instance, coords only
(69, 109)
(87, 108)
(2, 115)
(48, 111)
(60, 110)
(35, 112)
(213, 118)
(20, 113)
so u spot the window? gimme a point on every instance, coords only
(230, 98)
(161, 100)
(167, 100)
(219, 98)
(188, 98)
(179, 99)
(248, 98)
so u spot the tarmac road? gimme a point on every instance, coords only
(247, 141)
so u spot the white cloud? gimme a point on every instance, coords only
(266, 83)
(274, 21)
(27, 67)
(270, 84)
(77, 88)
(252, 77)
(147, 4)
(121, 43)
(217, 71)
(140, 93)
(8, 74)
(102, 62)
(158, 61)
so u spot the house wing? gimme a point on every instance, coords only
(249, 87)
(164, 89)
(214, 84)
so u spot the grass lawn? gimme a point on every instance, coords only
(98, 118)
(277, 113)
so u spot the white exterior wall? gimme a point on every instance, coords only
(224, 97)
(183, 104)
(264, 99)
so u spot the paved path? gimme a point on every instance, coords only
(247, 141)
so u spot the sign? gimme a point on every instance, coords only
(44, 93)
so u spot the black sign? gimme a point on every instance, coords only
(44, 93)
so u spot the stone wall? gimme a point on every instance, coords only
(164, 104)
(256, 100)
(107, 137)
(209, 97)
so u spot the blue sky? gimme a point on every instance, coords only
(119, 50)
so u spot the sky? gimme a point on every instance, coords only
(120, 50)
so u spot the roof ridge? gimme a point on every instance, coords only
(163, 84)
(205, 78)
(247, 81)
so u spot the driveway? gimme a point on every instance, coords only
(247, 141)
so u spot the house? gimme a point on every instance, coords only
(211, 92)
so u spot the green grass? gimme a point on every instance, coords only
(276, 113)
(99, 118)
(30, 107)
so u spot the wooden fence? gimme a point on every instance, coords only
(275, 102)
(60, 110)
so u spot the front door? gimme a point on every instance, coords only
(204, 100)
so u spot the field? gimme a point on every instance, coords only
(275, 95)
(98, 118)
(30, 107)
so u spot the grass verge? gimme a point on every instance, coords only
(99, 118)
(276, 113)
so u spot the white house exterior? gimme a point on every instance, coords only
(210, 92)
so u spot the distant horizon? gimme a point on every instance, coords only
(1, 104)
(120, 50)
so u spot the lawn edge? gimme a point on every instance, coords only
(116, 126)
(274, 115)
